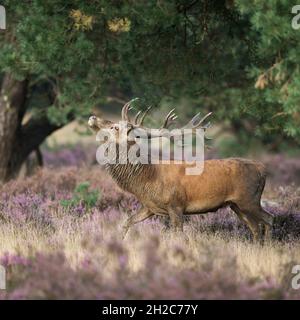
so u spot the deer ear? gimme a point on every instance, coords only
(104, 123)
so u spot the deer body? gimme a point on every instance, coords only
(165, 189)
(222, 181)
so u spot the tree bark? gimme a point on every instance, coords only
(17, 141)
(12, 105)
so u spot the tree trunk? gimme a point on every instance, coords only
(17, 141)
(12, 108)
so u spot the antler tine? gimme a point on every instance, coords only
(170, 118)
(136, 118)
(125, 110)
(196, 123)
(140, 123)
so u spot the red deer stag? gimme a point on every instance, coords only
(165, 189)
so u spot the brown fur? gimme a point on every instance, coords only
(165, 189)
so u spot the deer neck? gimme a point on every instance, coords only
(132, 177)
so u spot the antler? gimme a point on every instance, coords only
(140, 116)
(125, 110)
(139, 122)
(169, 119)
(144, 115)
(136, 118)
(195, 123)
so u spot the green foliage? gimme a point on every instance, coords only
(236, 58)
(239, 146)
(275, 98)
(82, 195)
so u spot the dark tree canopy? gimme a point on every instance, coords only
(63, 57)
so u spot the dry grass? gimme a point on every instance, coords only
(227, 264)
(253, 260)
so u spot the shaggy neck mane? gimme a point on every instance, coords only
(132, 177)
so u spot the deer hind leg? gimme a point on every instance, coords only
(266, 219)
(140, 216)
(248, 220)
(257, 216)
(263, 218)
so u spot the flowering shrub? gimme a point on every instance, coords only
(50, 276)
(82, 198)
(74, 156)
(60, 239)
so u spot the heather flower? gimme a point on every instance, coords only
(8, 259)
(65, 157)
(77, 252)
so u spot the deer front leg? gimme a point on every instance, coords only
(140, 216)
(176, 218)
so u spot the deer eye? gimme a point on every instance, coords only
(116, 128)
